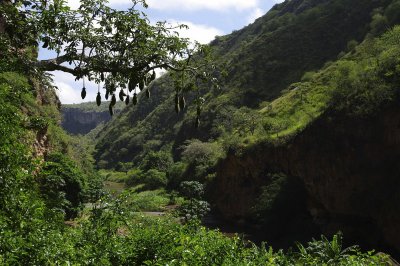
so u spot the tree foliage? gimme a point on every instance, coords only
(121, 49)
(62, 184)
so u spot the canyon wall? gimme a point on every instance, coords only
(348, 166)
(76, 121)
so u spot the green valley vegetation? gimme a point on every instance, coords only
(284, 73)
(47, 177)
(354, 73)
(37, 197)
(261, 61)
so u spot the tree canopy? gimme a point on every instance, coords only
(121, 48)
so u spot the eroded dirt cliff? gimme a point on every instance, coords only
(348, 166)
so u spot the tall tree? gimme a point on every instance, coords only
(98, 43)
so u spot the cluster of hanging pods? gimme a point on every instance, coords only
(180, 102)
(123, 96)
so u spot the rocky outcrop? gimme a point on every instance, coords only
(77, 121)
(348, 166)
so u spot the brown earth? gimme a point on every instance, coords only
(348, 166)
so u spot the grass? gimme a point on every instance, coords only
(113, 176)
(149, 200)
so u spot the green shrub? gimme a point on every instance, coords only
(159, 160)
(201, 157)
(135, 177)
(193, 208)
(154, 179)
(326, 252)
(62, 184)
(175, 174)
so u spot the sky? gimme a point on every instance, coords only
(205, 18)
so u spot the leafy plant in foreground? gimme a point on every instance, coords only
(193, 208)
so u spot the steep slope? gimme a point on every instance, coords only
(260, 60)
(345, 158)
(317, 155)
(82, 118)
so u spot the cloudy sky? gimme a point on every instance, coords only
(205, 18)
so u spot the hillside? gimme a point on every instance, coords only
(261, 60)
(305, 87)
(84, 117)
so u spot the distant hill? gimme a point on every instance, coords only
(84, 117)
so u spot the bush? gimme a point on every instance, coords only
(193, 208)
(62, 184)
(159, 160)
(175, 174)
(154, 179)
(135, 177)
(201, 157)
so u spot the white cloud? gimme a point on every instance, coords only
(74, 4)
(67, 94)
(197, 32)
(178, 5)
(258, 12)
(69, 91)
(218, 5)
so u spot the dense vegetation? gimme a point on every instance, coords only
(47, 177)
(341, 75)
(37, 197)
(302, 62)
(261, 61)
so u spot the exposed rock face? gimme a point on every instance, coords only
(44, 96)
(349, 168)
(41, 144)
(77, 121)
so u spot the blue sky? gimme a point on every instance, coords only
(205, 18)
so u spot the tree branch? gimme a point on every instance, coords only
(55, 64)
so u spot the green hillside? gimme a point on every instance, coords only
(303, 64)
(261, 61)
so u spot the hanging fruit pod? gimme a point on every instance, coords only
(127, 100)
(110, 109)
(83, 93)
(153, 76)
(141, 85)
(177, 109)
(134, 99)
(131, 84)
(113, 100)
(98, 99)
(121, 95)
(148, 93)
(46, 42)
(182, 102)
